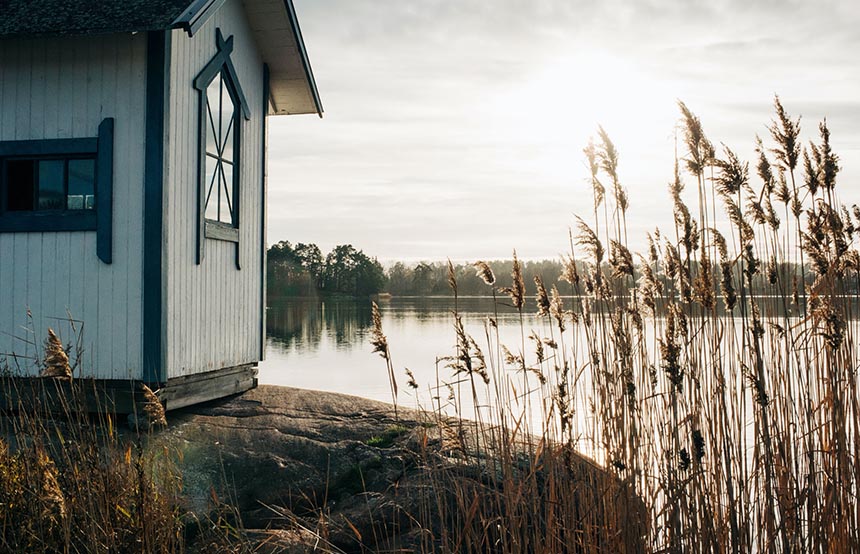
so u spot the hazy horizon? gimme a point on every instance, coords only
(455, 129)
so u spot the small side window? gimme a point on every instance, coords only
(59, 185)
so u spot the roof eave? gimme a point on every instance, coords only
(198, 12)
(309, 74)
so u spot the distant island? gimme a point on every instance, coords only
(300, 270)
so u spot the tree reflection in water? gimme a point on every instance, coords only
(303, 322)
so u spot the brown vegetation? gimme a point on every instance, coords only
(715, 378)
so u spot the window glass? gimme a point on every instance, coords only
(227, 142)
(82, 185)
(20, 185)
(228, 112)
(220, 118)
(213, 182)
(51, 184)
(34, 184)
(213, 114)
(225, 205)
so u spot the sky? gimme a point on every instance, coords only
(455, 128)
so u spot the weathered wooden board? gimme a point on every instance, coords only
(53, 88)
(212, 310)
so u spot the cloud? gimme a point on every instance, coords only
(457, 126)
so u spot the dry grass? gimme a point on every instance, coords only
(715, 379)
(72, 481)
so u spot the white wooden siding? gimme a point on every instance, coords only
(212, 312)
(63, 88)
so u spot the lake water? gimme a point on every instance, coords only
(325, 344)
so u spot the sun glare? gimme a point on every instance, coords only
(560, 105)
(593, 88)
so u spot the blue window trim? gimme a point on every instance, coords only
(49, 147)
(104, 191)
(219, 64)
(101, 220)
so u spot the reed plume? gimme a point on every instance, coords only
(380, 344)
(484, 272)
(152, 407)
(517, 290)
(736, 424)
(541, 297)
(56, 364)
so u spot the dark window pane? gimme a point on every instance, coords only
(21, 184)
(51, 185)
(82, 185)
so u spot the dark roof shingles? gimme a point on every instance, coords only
(85, 17)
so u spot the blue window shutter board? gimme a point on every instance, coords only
(104, 191)
(157, 86)
(47, 222)
(48, 147)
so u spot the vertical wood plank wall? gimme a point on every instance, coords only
(212, 310)
(63, 88)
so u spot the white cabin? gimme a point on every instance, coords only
(133, 184)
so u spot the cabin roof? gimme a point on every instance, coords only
(85, 17)
(273, 22)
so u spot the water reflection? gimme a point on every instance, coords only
(304, 322)
(323, 344)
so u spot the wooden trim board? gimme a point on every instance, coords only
(180, 392)
(121, 396)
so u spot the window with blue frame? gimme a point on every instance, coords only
(59, 185)
(222, 144)
(222, 110)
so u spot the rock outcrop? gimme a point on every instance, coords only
(318, 469)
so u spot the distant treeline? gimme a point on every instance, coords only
(431, 278)
(301, 270)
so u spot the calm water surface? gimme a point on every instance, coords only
(324, 344)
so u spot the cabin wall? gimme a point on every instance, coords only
(54, 88)
(213, 310)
